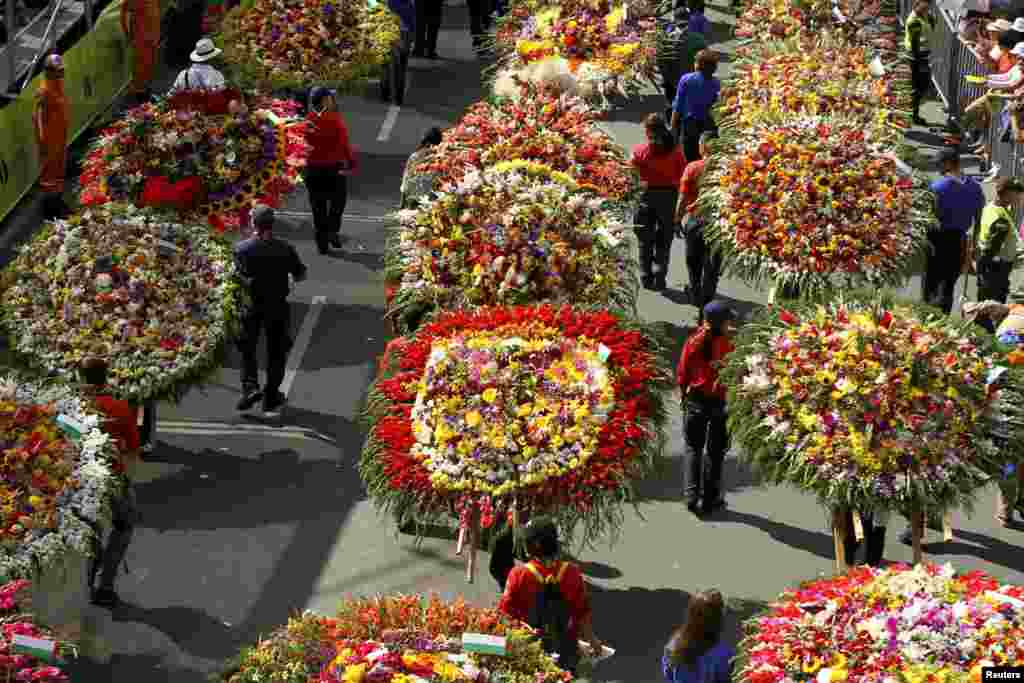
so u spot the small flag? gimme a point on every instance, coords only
(70, 426)
(483, 644)
(40, 648)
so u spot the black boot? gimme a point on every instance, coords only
(875, 546)
(432, 31)
(851, 545)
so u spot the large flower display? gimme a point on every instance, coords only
(191, 154)
(918, 624)
(874, 23)
(823, 74)
(158, 299)
(516, 233)
(867, 403)
(16, 621)
(608, 46)
(553, 409)
(396, 639)
(539, 125)
(297, 42)
(57, 489)
(812, 201)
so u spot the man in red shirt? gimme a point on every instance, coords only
(703, 265)
(122, 425)
(526, 583)
(703, 400)
(331, 160)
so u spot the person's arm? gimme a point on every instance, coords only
(679, 103)
(298, 268)
(346, 145)
(915, 42)
(686, 363)
(507, 604)
(993, 242)
(1011, 79)
(39, 118)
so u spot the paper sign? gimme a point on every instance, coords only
(41, 648)
(70, 426)
(483, 644)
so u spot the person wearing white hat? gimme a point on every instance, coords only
(1013, 78)
(201, 75)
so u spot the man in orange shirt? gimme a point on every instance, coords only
(140, 20)
(122, 425)
(703, 266)
(51, 127)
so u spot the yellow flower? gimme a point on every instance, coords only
(490, 395)
(623, 50)
(473, 417)
(524, 410)
(354, 674)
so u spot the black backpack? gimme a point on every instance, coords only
(550, 615)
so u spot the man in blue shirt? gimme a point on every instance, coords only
(958, 205)
(393, 81)
(696, 94)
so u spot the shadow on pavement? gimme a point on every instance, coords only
(667, 484)
(191, 629)
(368, 260)
(460, 79)
(129, 668)
(982, 547)
(639, 643)
(814, 542)
(635, 109)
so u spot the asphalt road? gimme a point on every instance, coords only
(245, 522)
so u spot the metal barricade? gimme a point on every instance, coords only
(944, 57)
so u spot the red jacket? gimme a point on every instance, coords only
(695, 372)
(122, 422)
(522, 587)
(328, 138)
(658, 170)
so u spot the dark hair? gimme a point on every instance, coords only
(431, 137)
(664, 142)
(318, 95)
(93, 371)
(695, 5)
(706, 60)
(540, 537)
(702, 629)
(1006, 41)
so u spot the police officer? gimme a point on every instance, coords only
(265, 263)
(917, 42)
(997, 245)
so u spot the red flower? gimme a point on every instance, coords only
(787, 317)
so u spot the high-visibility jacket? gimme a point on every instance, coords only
(990, 215)
(914, 23)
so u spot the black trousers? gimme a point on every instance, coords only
(479, 20)
(671, 71)
(503, 556)
(428, 23)
(186, 28)
(920, 82)
(692, 130)
(148, 422)
(275, 320)
(942, 269)
(328, 194)
(393, 80)
(108, 561)
(874, 540)
(656, 218)
(704, 267)
(993, 285)
(706, 442)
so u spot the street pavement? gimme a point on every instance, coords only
(245, 521)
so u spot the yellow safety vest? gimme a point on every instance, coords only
(926, 32)
(553, 577)
(989, 216)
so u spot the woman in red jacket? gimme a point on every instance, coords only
(660, 164)
(704, 428)
(331, 160)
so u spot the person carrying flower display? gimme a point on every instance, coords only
(331, 160)
(140, 21)
(916, 41)
(550, 594)
(703, 265)
(200, 75)
(958, 205)
(997, 245)
(660, 164)
(121, 424)
(265, 264)
(696, 93)
(705, 432)
(696, 652)
(416, 185)
(50, 119)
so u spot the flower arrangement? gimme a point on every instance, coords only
(809, 200)
(291, 44)
(516, 233)
(395, 639)
(873, 23)
(57, 489)
(538, 408)
(867, 403)
(157, 299)
(924, 623)
(823, 75)
(15, 621)
(611, 45)
(186, 153)
(539, 125)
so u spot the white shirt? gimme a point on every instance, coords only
(199, 77)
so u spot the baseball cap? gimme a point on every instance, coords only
(718, 312)
(1018, 25)
(262, 216)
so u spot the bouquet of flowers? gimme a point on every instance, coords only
(16, 621)
(57, 488)
(177, 153)
(558, 131)
(157, 299)
(608, 46)
(824, 75)
(924, 623)
(291, 44)
(867, 403)
(807, 200)
(873, 23)
(396, 639)
(516, 233)
(537, 408)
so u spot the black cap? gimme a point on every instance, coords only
(262, 216)
(718, 312)
(950, 155)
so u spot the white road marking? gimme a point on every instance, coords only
(302, 343)
(392, 116)
(200, 428)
